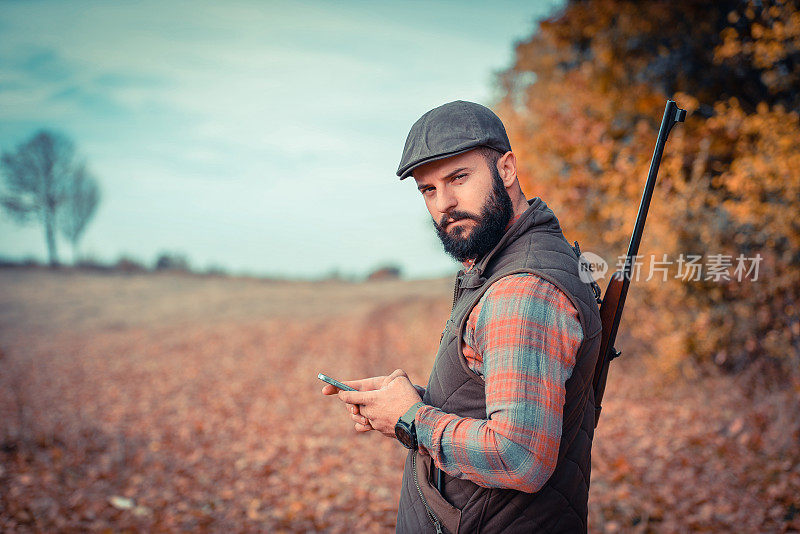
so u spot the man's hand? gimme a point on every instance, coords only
(383, 407)
(362, 424)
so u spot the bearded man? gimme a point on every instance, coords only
(500, 438)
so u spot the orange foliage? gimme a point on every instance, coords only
(583, 104)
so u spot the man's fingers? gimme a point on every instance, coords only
(396, 373)
(356, 397)
(364, 384)
(359, 385)
(328, 389)
(363, 428)
(331, 390)
(366, 411)
(360, 419)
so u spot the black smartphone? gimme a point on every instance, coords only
(336, 383)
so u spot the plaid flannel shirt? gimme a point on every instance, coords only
(522, 338)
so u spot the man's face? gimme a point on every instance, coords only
(468, 203)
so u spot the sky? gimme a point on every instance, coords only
(261, 137)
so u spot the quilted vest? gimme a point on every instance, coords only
(533, 244)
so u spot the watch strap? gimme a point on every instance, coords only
(410, 415)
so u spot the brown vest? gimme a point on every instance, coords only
(534, 244)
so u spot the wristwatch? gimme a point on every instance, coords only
(405, 430)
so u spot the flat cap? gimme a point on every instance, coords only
(451, 129)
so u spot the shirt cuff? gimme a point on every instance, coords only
(425, 423)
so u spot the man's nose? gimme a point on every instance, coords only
(445, 201)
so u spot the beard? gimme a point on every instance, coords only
(489, 228)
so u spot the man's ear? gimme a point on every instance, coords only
(507, 167)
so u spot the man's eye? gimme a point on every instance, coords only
(426, 190)
(459, 177)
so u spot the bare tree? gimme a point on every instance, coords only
(83, 196)
(40, 176)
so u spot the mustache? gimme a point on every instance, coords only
(454, 217)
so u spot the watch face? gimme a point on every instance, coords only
(404, 436)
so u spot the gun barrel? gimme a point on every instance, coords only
(672, 115)
(617, 290)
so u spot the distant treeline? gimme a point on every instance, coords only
(179, 263)
(167, 261)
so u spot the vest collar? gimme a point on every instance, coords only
(537, 213)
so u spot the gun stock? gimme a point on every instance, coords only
(617, 290)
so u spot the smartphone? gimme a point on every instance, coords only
(336, 383)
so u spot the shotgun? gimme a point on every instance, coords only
(614, 297)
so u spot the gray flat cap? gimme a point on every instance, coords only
(451, 129)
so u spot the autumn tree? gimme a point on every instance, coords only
(45, 181)
(583, 102)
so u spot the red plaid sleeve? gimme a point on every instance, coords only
(522, 337)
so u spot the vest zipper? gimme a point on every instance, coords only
(455, 293)
(453, 307)
(431, 515)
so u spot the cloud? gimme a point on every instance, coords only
(280, 115)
